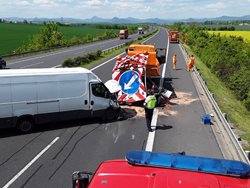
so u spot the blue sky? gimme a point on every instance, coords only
(167, 9)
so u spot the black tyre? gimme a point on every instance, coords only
(110, 114)
(25, 125)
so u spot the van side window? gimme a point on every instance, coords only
(99, 90)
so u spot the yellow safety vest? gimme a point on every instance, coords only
(151, 103)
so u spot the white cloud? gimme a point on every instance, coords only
(94, 3)
(216, 6)
(130, 6)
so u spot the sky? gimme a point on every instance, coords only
(164, 9)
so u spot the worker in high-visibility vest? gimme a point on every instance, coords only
(174, 61)
(149, 105)
(190, 63)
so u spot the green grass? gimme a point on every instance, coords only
(80, 31)
(13, 35)
(238, 114)
(244, 34)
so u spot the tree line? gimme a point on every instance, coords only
(50, 36)
(227, 57)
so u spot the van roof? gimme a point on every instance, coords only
(42, 71)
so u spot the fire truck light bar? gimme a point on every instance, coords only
(191, 163)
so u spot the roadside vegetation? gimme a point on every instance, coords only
(224, 62)
(17, 38)
(92, 58)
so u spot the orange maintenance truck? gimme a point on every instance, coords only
(153, 61)
(138, 72)
(173, 36)
(123, 34)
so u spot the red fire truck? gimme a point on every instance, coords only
(143, 169)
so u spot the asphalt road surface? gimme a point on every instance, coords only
(48, 156)
(57, 57)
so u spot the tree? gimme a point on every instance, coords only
(50, 35)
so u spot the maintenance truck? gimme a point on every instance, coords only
(143, 169)
(138, 72)
(173, 36)
(123, 34)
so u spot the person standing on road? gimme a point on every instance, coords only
(190, 63)
(149, 106)
(174, 61)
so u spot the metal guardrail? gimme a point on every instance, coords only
(236, 144)
(52, 48)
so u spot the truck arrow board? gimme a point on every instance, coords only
(129, 82)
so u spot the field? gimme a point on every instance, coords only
(244, 34)
(13, 35)
(237, 27)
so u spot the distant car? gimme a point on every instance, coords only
(2, 63)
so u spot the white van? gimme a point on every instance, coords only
(37, 96)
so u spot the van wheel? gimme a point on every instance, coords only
(110, 115)
(25, 125)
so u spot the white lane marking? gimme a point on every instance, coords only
(165, 65)
(79, 52)
(68, 50)
(151, 135)
(107, 61)
(30, 163)
(53, 53)
(32, 65)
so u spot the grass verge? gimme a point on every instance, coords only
(237, 113)
(113, 53)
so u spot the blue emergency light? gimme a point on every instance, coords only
(191, 163)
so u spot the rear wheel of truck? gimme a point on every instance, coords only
(25, 125)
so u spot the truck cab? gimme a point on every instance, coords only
(155, 58)
(140, 31)
(123, 34)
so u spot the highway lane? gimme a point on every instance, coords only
(57, 57)
(82, 145)
(183, 115)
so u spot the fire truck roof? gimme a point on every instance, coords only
(138, 172)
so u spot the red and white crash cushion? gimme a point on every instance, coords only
(136, 63)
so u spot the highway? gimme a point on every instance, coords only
(48, 156)
(55, 58)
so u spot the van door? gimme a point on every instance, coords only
(47, 100)
(99, 99)
(6, 119)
